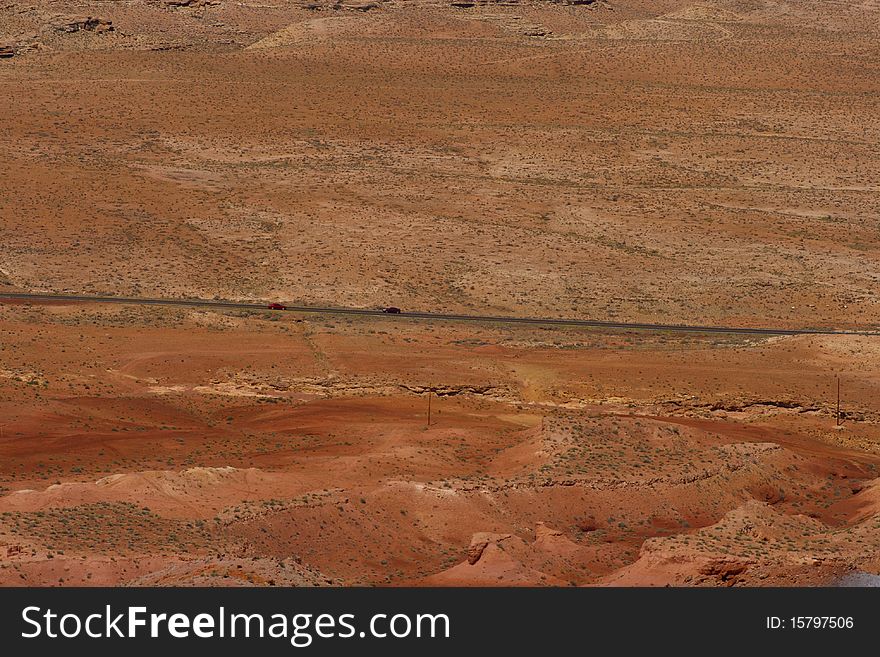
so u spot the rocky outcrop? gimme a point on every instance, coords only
(495, 559)
(452, 390)
(467, 4)
(87, 24)
(479, 541)
(191, 4)
(725, 570)
(340, 5)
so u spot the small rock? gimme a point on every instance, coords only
(536, 31)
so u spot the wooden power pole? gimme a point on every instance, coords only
(838, 400)
(429, 407)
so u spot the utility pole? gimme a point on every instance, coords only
(429, 407)
(838, 400)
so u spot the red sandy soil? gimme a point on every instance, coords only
(161, 446)
(649, 160)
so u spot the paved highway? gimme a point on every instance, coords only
(498, 319)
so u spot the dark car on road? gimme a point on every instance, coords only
(391, 310)
(277, 306)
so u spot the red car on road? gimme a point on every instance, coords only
(391, 310)
(277, 306)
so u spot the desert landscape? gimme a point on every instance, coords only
(669, 161)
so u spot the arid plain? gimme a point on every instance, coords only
(670, 161)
